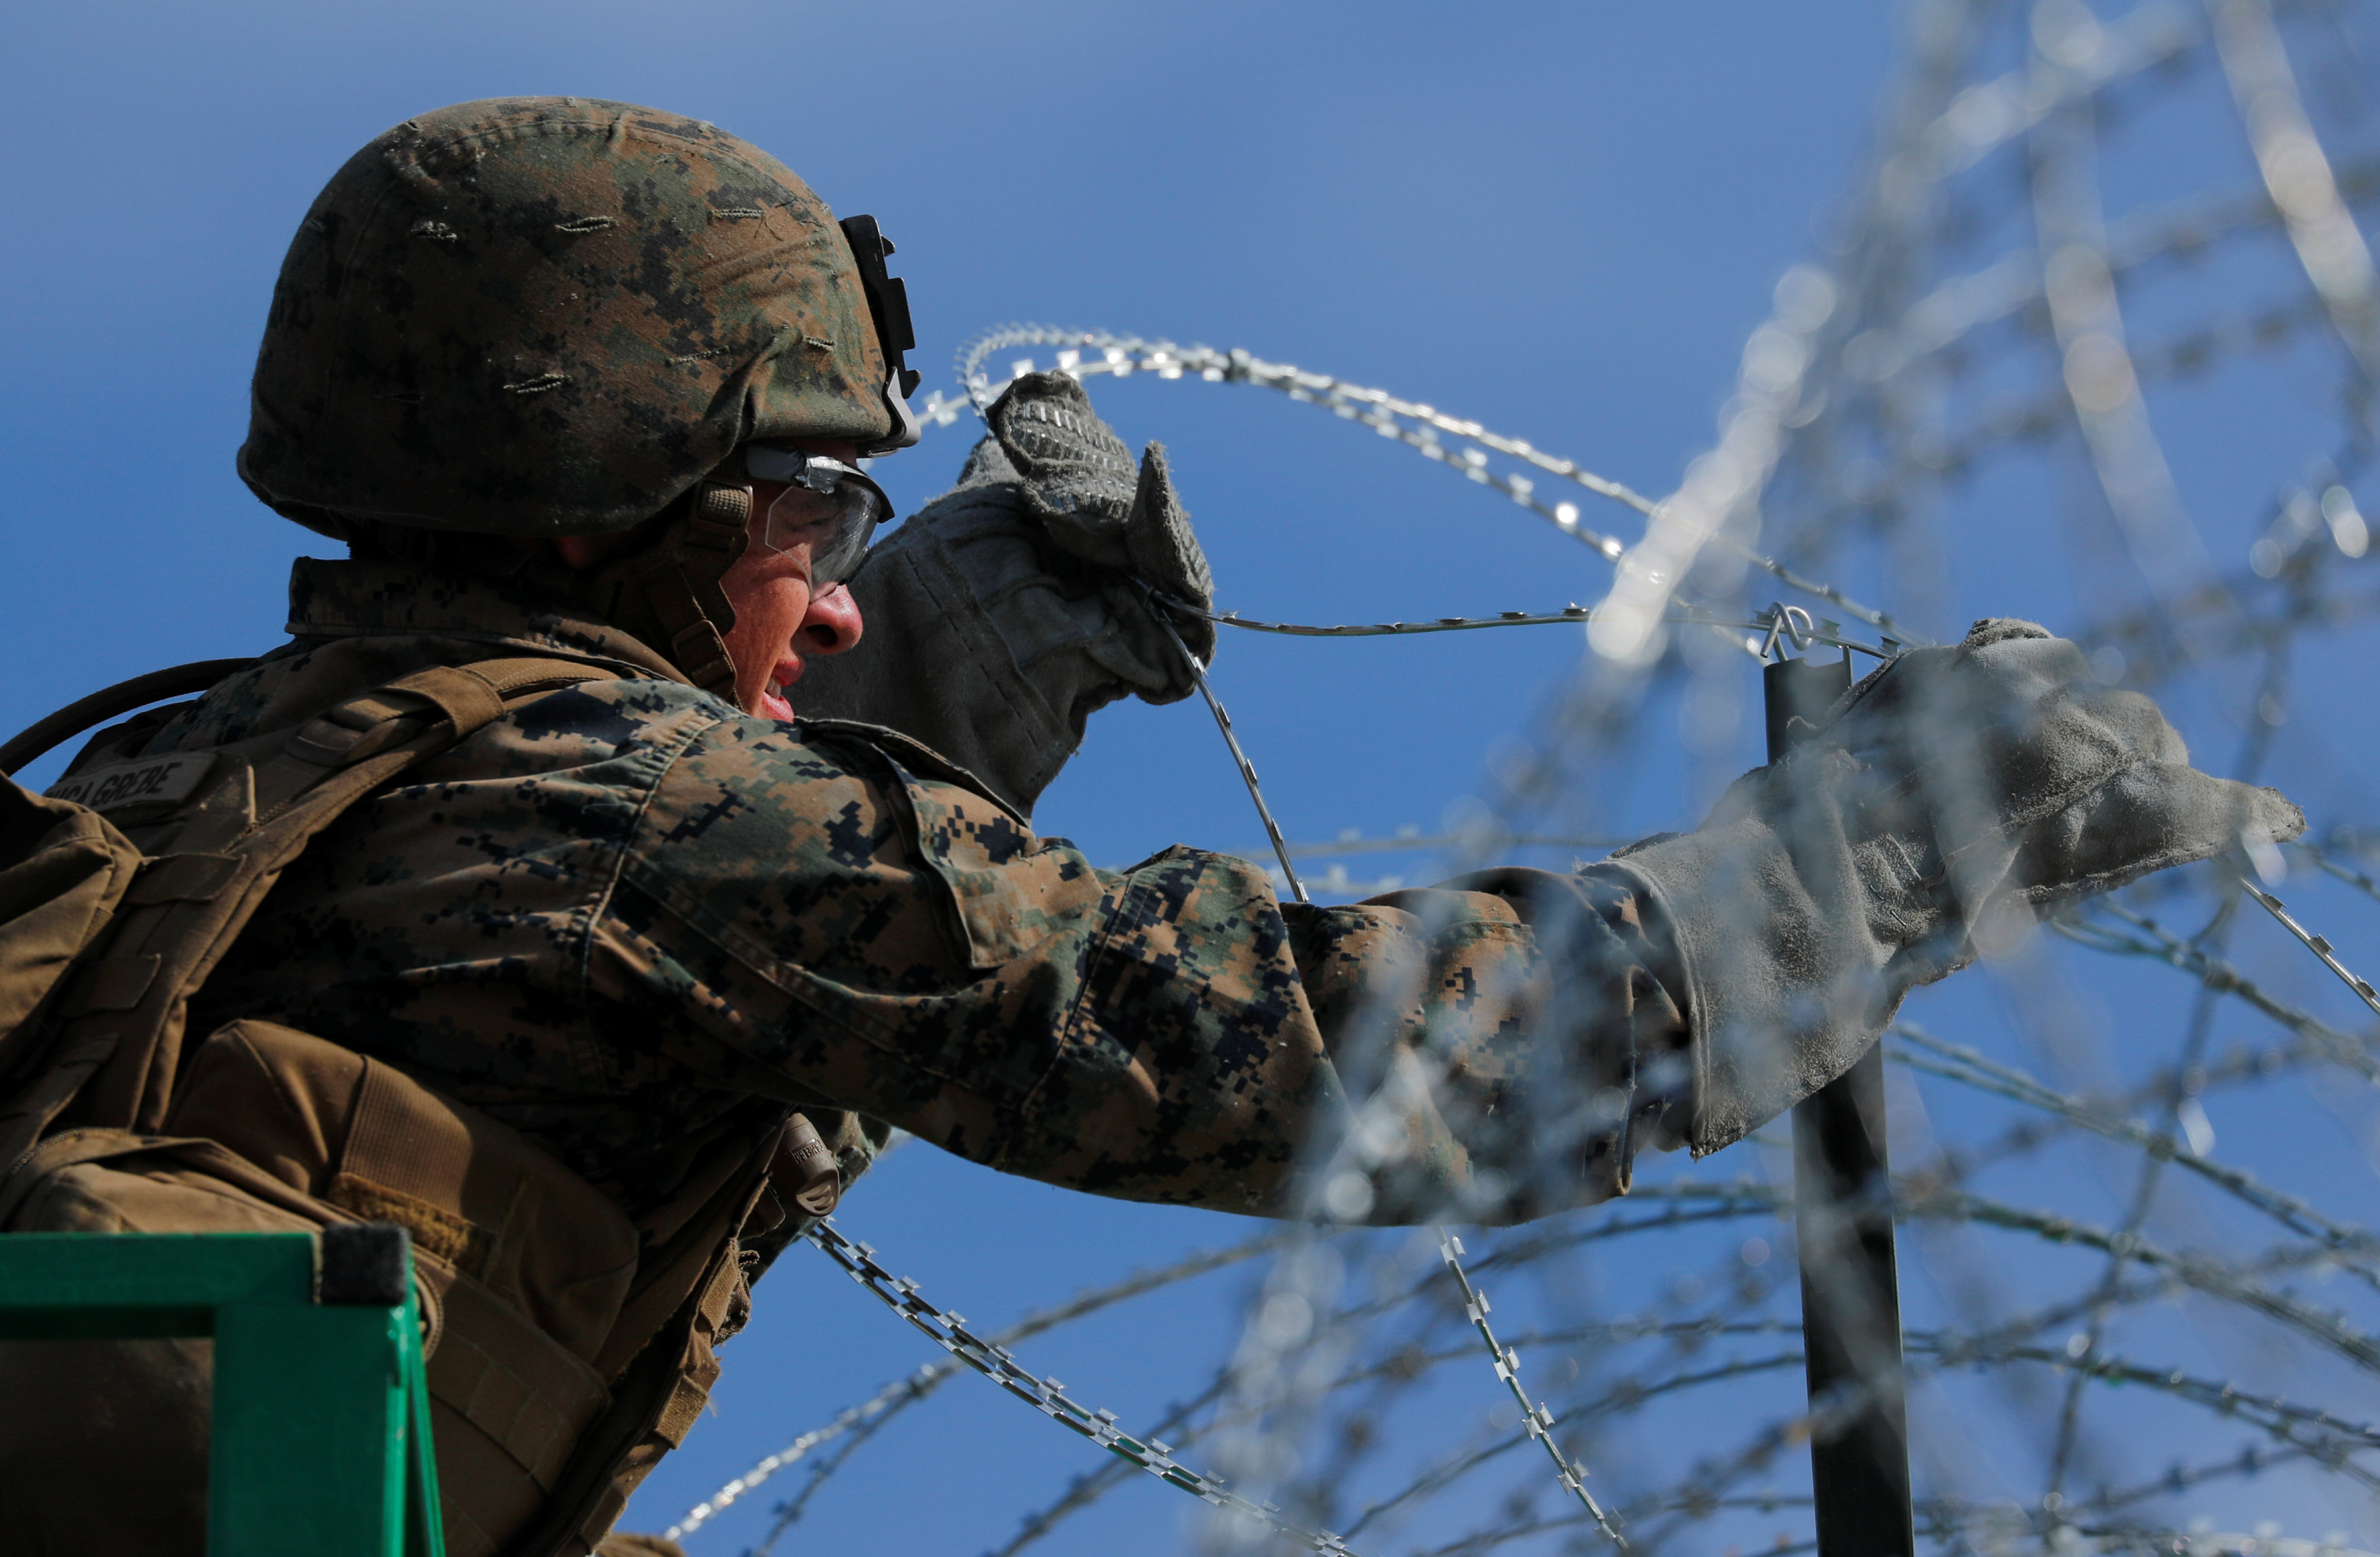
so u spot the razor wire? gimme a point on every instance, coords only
(2160, 1148)
(1780, 622)
(995, 1362)
(893, 1398)
(1534, 1416)
(2281, 1418)
(1889, 325)
(1415, 425)
(2317, 945)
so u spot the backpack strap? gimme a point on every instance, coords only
(117, 1028)
(104, 705)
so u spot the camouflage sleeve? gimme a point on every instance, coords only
(901, 947)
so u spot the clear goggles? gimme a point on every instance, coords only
(827, 505)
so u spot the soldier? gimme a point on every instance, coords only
(606, 1000)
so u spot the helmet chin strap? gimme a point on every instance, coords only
(668, 595)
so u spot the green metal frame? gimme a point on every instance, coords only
(320, 1445)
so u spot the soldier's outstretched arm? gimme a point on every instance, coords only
(1494, 1049)
(830, 905)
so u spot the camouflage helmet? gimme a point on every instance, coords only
(552, 316)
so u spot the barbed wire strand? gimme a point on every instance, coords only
(1123, 354)
(1535, 1419)
(949, 1332)
(872, 1413)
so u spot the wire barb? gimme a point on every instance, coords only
(2317, 945)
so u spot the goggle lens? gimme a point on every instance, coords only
(827, 505)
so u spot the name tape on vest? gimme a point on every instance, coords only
(152, 780)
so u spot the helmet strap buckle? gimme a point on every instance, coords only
(720, 517)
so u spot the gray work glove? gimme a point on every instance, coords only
(1950, 796)
(1000, 615)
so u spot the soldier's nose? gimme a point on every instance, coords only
(831, 624)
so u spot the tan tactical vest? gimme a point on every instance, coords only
(570, 1346)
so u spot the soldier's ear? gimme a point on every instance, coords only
(587, 551)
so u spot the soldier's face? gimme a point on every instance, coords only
(779, 620)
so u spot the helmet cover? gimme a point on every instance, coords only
(552, 316)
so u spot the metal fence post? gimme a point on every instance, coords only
(1850, 1288)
